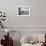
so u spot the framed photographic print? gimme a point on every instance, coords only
(23, 10)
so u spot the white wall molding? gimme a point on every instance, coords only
(26, 28)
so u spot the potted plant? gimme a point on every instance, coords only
(2, 19)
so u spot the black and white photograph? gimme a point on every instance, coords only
(23, 10)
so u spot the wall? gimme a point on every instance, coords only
(38, 13)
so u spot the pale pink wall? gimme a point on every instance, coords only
(38, 13)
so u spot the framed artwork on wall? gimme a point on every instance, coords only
(23, 10)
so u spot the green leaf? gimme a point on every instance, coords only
(4, 16)
(0, 12)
